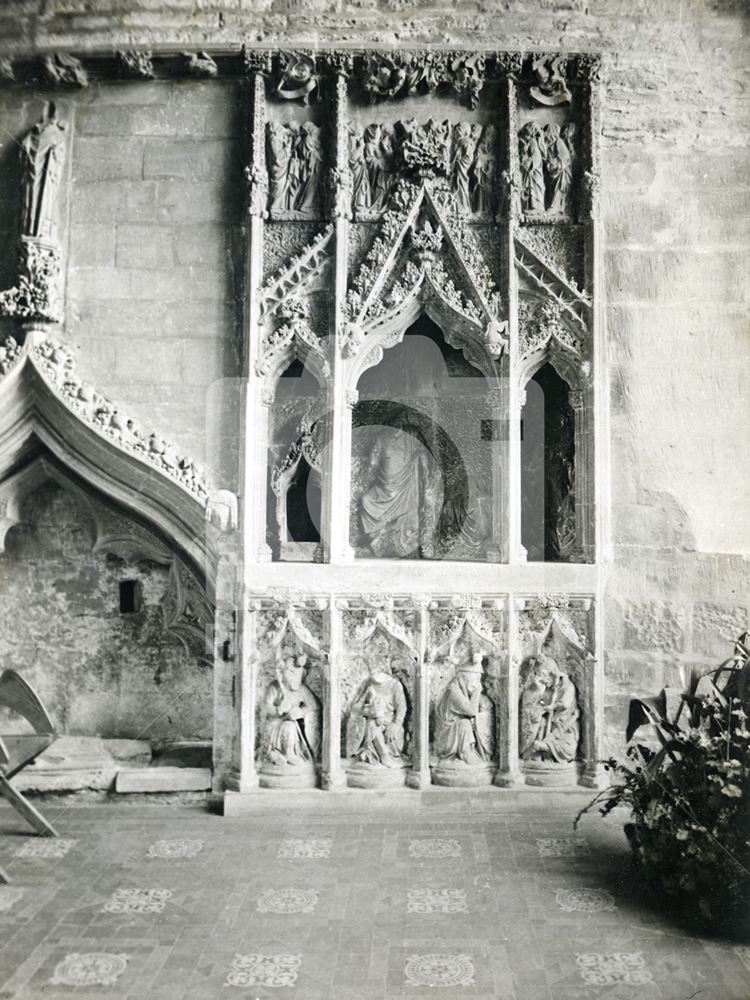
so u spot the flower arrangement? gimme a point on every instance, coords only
(689, 792)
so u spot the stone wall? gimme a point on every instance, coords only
(98, 671)
(156, 193)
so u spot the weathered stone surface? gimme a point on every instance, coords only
(715, 627)
(654, 625)
(163, 779)
(100, 673)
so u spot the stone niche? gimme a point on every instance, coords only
(556, 690)
(290, 694)
(467, 657)
(377, 679)
(99, 614)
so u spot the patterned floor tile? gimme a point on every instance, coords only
(429, 900)
(620, 967)
(440, 970)
(264, 970)
(89, 969)
(137, 901)
(339, 907)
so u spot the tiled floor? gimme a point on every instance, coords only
(169, 903)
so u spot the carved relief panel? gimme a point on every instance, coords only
(555, 664)
(290, 656)
(466, 653)
(377, 692)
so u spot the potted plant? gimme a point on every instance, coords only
(689, 792)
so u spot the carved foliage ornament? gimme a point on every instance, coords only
(10, 354)
(396, 74)
(137, 64)
(56, 363)
(539, 323)
(38, 294)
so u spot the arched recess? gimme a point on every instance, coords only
(106, 668)
(556, 460)
(428, 404)
(37, 418)
(188, 607)
(297, 395)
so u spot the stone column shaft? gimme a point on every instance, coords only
(331, 772)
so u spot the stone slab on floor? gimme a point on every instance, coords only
(163, 779)
(401, 904)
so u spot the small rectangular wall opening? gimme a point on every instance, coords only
(130, 596)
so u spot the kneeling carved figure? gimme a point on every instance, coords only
(464, 717)
(550, 727)
(292, 717)
(383, 706)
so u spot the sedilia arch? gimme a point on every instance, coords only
(54, 424)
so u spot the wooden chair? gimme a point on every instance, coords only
(17, 750)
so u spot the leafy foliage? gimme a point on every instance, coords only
(689, 792)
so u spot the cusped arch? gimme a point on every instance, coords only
(391, 327)
(566, 365)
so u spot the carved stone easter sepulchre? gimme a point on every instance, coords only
(421, 267)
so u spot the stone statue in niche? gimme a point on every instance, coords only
(395, 509)
(559, 485)
(309, 155)
(549, 722)
(294, 158)
(361, 192)
(42, 158)
(464, 728)
(465, 141)
(280, 153)
(531, 158)
(379, 154)
(484, 172)
(291, 716)
(381, 705)
(547, 157)
(559, 169)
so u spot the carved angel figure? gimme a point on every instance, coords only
(462, 160)
(532, 167)
(42, 157)
(483, 174)
(559, 169)
(361, 190)
(378, 157)
(309, 155)
(381, 702)
(550, 728)
(291, 717)
(280, 155)
(464, 718)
